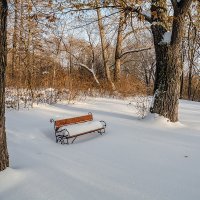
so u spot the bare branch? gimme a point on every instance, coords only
(90, 70)
(139, 11)
(135, 51)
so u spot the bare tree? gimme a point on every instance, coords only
(104, 45)
(118, 51)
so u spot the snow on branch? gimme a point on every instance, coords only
(166, 38)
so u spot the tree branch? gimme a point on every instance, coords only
(184, 5)
(139, 11)
(90, 70)
(134, 51)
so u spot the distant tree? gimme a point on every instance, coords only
(118, 51)
(4, 161)
(104, 45)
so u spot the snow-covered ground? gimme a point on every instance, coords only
(148, 159)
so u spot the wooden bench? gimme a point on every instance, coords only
(76, 126)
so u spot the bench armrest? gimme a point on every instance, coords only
(63, 130)
(103, 123)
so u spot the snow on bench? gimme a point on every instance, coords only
(74, 127)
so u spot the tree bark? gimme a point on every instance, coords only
(191, 55)
(4, 161)
(169, 63)
(182, 85)
(167, 81)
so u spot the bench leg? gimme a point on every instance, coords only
(65, 138)
(58, 139)
(101, 131)
(73, 140)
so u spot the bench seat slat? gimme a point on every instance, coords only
(82, 128)
(84, 133)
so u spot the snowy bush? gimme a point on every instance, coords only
(142, 105)
(24, 98)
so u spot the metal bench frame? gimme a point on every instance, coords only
(61, 135)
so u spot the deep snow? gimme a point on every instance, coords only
(148, 159)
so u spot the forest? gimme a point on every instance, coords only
(93, 48)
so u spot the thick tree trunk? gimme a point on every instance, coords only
(4, 161)
(168, 92)
(168, 57)
(161, 58)
(168, 71)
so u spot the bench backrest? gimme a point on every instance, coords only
(74, 120)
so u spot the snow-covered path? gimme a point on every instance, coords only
(136, 159)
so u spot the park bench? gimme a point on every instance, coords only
(76, 126)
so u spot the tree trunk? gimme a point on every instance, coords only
(168, 92)
(104, 46)
(182, 85)
(190, 82)
(14, 42)
(4, 161)
(168, 68)
(182, 75)
(161, 58)
(21, 48)
(118, 50)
